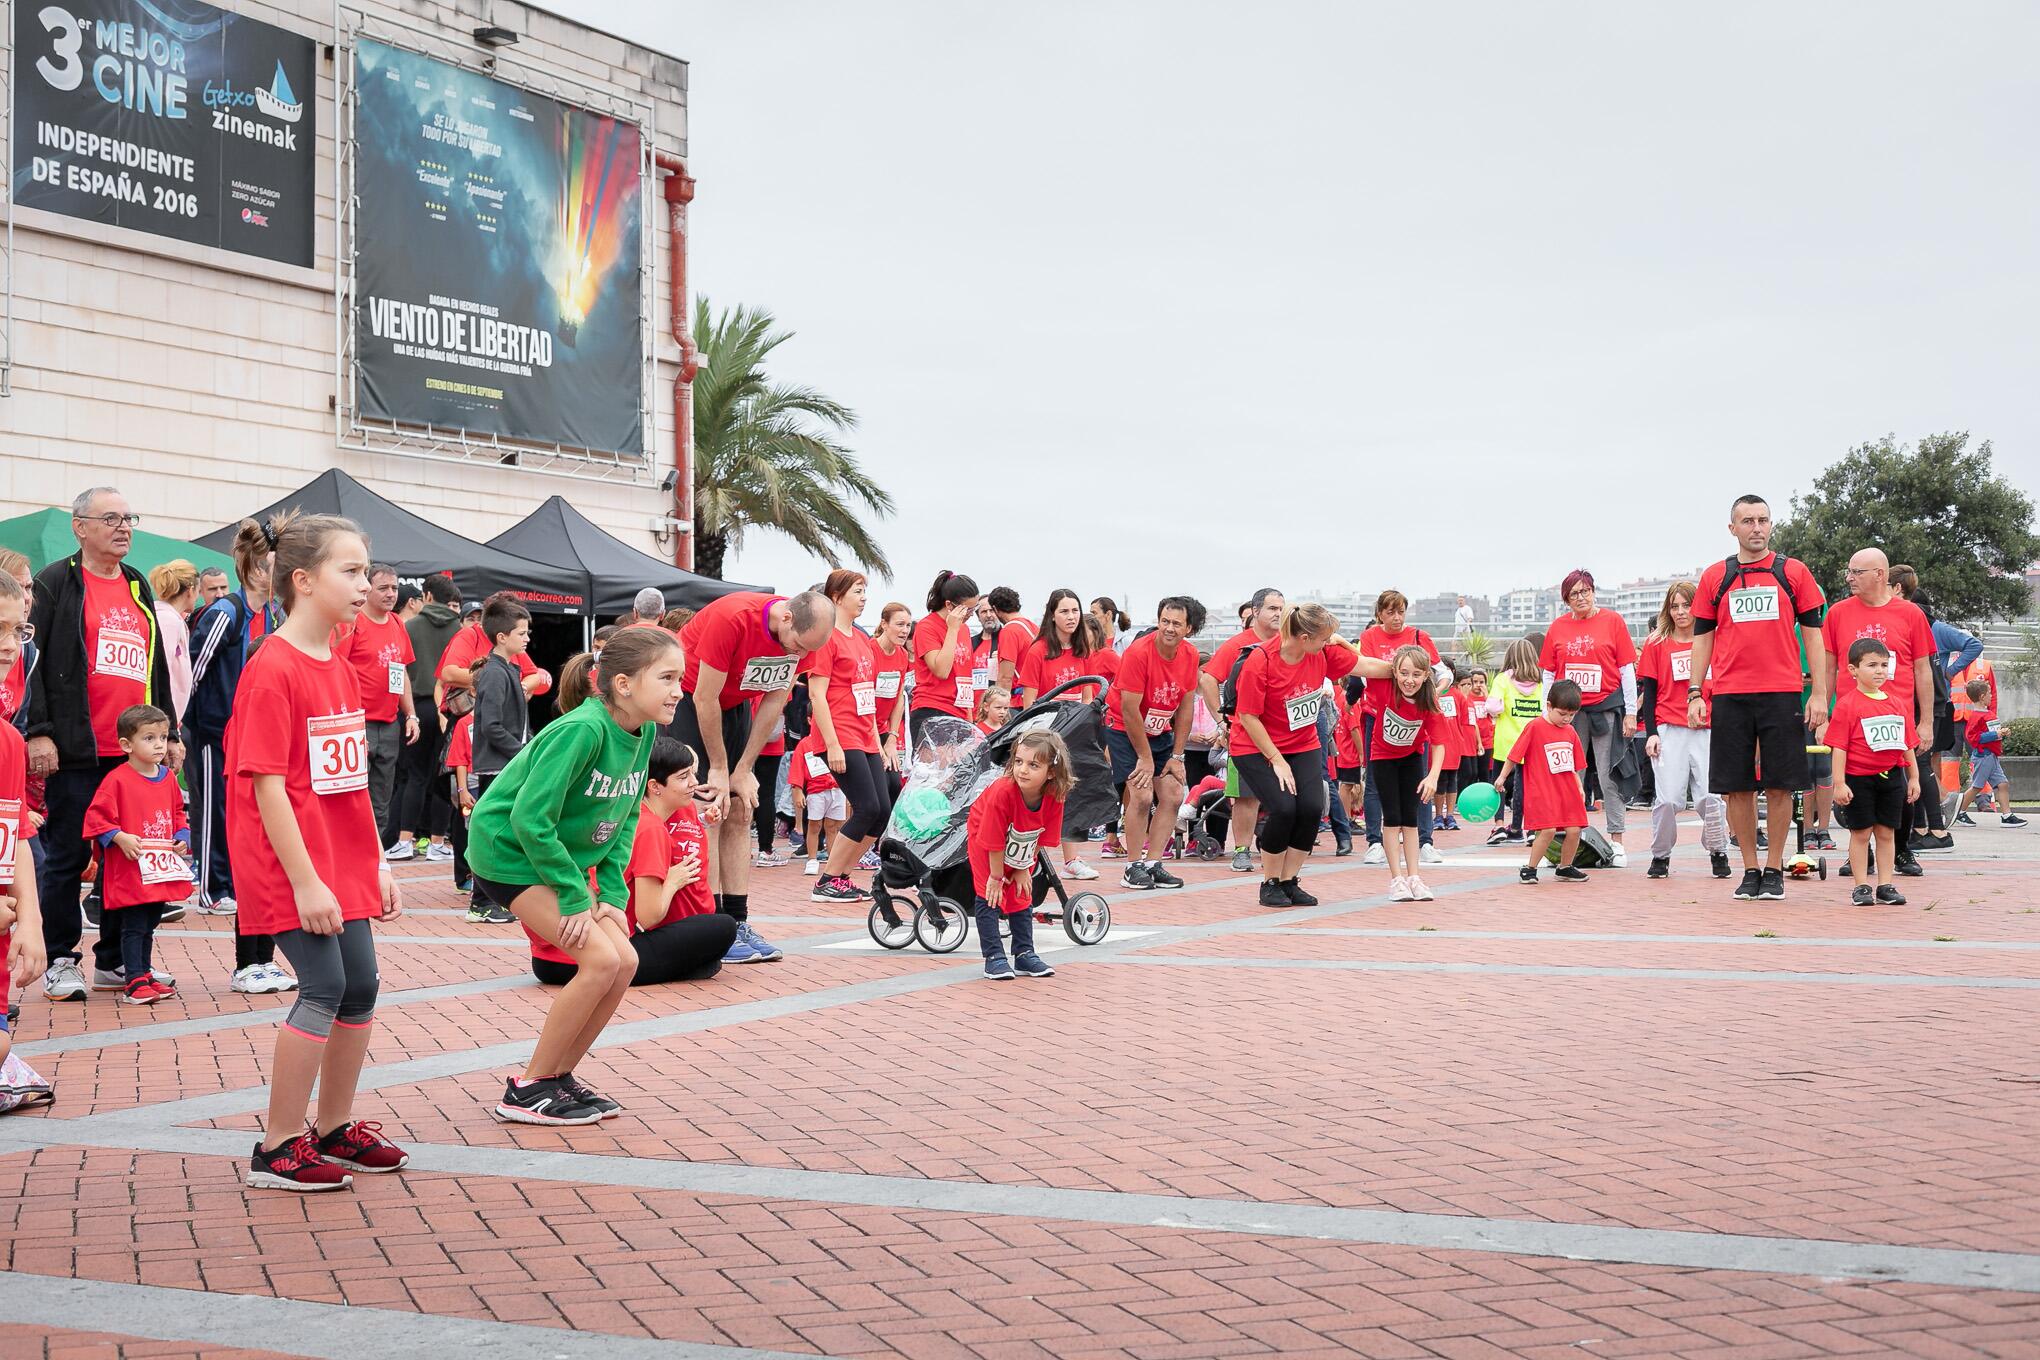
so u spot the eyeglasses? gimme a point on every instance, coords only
(24, 631)
(113, 521)
(1583, 593)
(1860, 571)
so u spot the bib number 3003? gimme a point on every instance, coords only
(338, 748)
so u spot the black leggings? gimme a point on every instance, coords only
(1290, 820)
(864, 782)
(764, 820)
(1398, 778)
(1927, 813)
(337, 978)
(690, 949)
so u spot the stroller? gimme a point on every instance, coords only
(1203, 822)
(923, 857)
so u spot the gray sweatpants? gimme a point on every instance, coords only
(1681, 770)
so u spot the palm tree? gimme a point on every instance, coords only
(765, 456)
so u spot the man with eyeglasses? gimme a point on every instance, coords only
(95, 620)
(1875, 609)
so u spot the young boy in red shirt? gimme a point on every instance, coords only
(1551, 756)
(1987, 749)
(138, 819)
(1871, 732)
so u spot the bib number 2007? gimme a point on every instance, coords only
(1753, 604)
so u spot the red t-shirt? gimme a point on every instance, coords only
(1036, 674)
(13, 689)
(1285, 697)
(1756, 647)
(1346, 732)
(955, 695)
(810, 769)
(1221, 663)
(120, 639)
(1976, 724)
(13, 824)
(1670, 662)
(460, 746)
(1452, 708)
(658, 847)
(1105, 662)
(1487, 729)
(847, 661)
(889, 673)
(468, 646)
(730, 635)
(1590, 652)
(1381, 646)
(1014, 639)
(300, 717)
(1551, 757)
(1898, 623)
(1163, 683)
(381, 654)
(1872, 735)
(1401, 728)
(1001, 820)
(152, 809)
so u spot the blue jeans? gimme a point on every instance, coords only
(988, 918)
(1373, 799)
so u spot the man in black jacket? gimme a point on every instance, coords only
(95, 621)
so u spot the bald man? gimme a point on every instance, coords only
(1875, 609)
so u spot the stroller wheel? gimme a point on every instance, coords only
(1209, 848)
(941, 926)
(895, 933)
(1087, 918)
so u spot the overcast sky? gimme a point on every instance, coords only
(1145, 297)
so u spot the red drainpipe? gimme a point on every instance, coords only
(679, 192)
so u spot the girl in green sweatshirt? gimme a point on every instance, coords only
(565, 805)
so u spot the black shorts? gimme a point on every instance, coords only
(1448, 779)
(1758, 742)
(502, 894)
(1352, 774)
(736, 730)
(1876, 800)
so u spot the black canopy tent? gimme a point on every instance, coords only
(557, 532)
(417, 547)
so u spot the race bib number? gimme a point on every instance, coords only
(159, 862)
(1753, 604)
(965, 693)
(866, 699)
(10, 819)
(980, 678)
(1303, 710)
(399, 677)
(1448, 704)
(1586, 676)
(1558, 757)
(1682, 666)
(817, 764)
(122, 655)
(1158, 720)
(1021, 848)
(888, 683)
(337, 746)
(768, 674)
(1884, 733)
(1396, 730)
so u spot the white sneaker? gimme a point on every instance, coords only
(277, 979)
(1429, 855)
(439, 852)
(1076, 868)
(400, 852)
(814, 866)
(221, 906)
(248, 980)
(64, 981)
(1420, 891)
(1399, 890)
(1375, 854)
(1621, 855)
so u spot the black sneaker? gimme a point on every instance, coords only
(1272, 894)
(1570, 873)
(1162, 878)
(296, 1165)
(1498, 836)
(1907, 866)
(1845, 871)
(1763, 839)
(589, 1096)
(1964, 819)
(2011, 819)
(1889, 896)
(836, 888)
(1137, 876)
(1527, 874)
(1773, 885)
(545, 1101)
(1660, 867)
(1345, 848)
(1297, 896)
(1861, 896)
(496, 914)
(92, 904)
(1719, 863)
(1751, 887)
(1938, 840)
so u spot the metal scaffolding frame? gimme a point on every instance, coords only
(441, 444)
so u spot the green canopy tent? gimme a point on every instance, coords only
(44, 536)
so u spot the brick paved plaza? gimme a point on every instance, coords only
(1623, 1119)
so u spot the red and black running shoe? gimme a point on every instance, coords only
(360, 1146)
(296, 1165)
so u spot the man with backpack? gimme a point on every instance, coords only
(1746, 614)
(1260, 619)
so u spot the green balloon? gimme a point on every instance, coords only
(1479, 802)
(921, 812)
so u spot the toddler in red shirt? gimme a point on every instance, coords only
(1009, 823)
(994, 707)
(1552, 758)
(818, 800)
(1986, 757)
(1871, 732)
(138, 819)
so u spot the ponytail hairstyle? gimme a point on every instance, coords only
(632, 650)
(949, 588)
(1120, 623)
(1051, 748)
(1301, 622)
(1662, 627)
(1426, 697)
(1080, 641)
(575, 684)
(298, 542)
(1094, 629)
(167, 580)
(1520, 661)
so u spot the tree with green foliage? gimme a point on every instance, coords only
(1936, 505)
(765, 453)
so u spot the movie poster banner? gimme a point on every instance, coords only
(496, 257)
(170, 117)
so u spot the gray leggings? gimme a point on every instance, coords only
(337, 979)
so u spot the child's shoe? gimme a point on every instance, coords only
(1890, 896)
(1033, 965)
(999, 969)
(1399, 890)
(1570, 873)
(297, 1166)
(1420, 891)
(1861, 895)
(1527, 874)
(360, 1146)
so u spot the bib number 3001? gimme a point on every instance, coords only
(338, 748)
